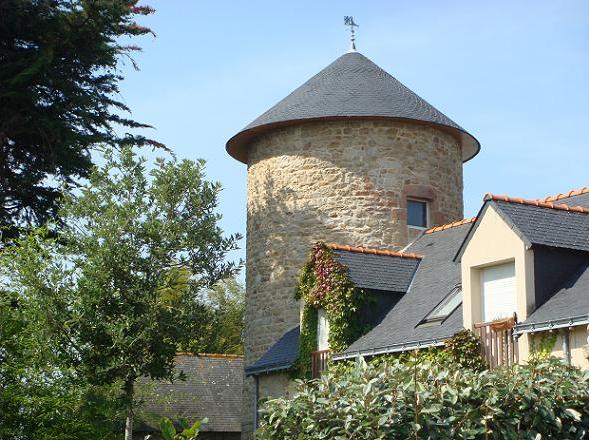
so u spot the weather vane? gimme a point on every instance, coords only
(349, 21)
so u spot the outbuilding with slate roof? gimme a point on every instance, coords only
(211, 389)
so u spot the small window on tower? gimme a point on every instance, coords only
(417, 213)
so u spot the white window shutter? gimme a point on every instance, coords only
(322, 331)
(499, 292)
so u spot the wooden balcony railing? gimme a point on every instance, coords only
(319, 360)
(498, 343)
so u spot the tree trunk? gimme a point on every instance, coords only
(129, 421)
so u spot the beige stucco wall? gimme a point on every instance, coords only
(492, 243)
(577, 343)
(338, 181)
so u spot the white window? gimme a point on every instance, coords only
(322, 331)
(445, 308)
(417, 215)
(498, 290)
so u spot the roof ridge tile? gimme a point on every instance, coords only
(451, 225)
(210, 355)
(374, 251)
(572, 193)
(539, 203)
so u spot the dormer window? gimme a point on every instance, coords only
(417, 213)
(444, 308)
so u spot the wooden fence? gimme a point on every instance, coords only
(498, 343)
(319, 360)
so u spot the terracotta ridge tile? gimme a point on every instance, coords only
(365, 250)
(451, 225)
(575, 192)
(210, 355)
(540, 203)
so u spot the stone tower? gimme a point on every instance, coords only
(338, 160)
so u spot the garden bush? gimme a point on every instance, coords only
(429, 400)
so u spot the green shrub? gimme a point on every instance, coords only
(186, 430)
(464, 349)
(422, 400)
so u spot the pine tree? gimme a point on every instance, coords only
(59, 77)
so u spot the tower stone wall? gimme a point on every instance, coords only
(338, 181)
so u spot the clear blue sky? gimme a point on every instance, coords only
(515, 74)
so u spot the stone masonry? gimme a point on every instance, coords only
(339, 181)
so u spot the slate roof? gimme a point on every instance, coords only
(547, 226)
(378, 272)
(212, 389)
(571, 300)
(278, 357)
(435, 278)
(350, 87)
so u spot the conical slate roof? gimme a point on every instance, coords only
(352, 87)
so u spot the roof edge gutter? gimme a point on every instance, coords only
(396, 348)
(259, 371)
(552, 324)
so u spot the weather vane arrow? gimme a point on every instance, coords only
(349, 21)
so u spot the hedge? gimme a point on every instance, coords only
(428, 400)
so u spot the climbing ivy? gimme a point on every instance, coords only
(542, 346)
(307, 342)
(325, 284)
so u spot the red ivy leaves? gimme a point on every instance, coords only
(325, 268)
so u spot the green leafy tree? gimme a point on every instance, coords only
(118, 291)
(59, 79)
(40, 400)
(226, 309)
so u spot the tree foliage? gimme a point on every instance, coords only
(186, 432)
(423, 400)
(225, 305)
(38, 398)
(118, 291)
(59, 79)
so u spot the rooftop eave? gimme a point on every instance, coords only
(396, 348)
(553, 324)
(267, 369)
(237, 146)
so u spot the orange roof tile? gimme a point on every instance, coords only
(450, 225)
(540, 203)
(576, 192)
(210, 355)
(364, 250)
